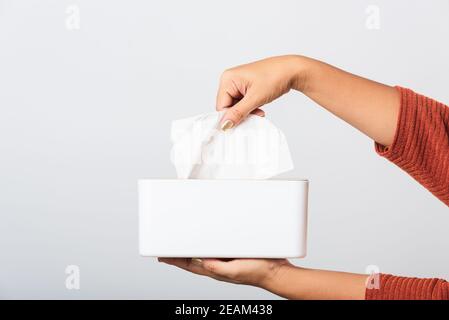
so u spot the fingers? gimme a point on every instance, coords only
(237, 113)
(224, 99)
(233, 97)
(191, 265)
(258, 112)
(229, 92)
(239, 271)
(214, 268)
(233, 114)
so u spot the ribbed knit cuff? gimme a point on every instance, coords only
(402, 288)
(421, 143)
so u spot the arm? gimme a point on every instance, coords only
(299, 283)
(278, 276)
(291, 282)
(410, 130)
(369, 106)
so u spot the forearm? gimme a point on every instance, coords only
(369, 106)
(298, 283)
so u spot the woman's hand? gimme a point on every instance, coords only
(369, 106)
(278, 276)
(255, 272)
(247, 87)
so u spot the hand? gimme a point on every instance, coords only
(255, 272)
(278, 276)
(244, 89)
(369, 106)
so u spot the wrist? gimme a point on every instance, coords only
(275, 275)
(300, 68)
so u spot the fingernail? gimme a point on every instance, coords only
(228, 124)
(197, 261)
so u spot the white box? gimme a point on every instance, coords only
(223, 218)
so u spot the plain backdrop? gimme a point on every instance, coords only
(88, 89)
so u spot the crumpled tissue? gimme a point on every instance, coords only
(255, 149)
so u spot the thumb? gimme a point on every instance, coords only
(237, 113)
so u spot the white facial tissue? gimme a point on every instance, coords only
(255, 149)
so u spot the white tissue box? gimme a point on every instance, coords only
(223, 218)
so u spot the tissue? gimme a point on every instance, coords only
(255, 149)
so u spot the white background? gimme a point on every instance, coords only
(86, 112)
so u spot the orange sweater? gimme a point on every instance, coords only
(421, 148)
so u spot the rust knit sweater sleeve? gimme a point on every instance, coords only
(421, 143)
(421, 148)
(403, 288)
